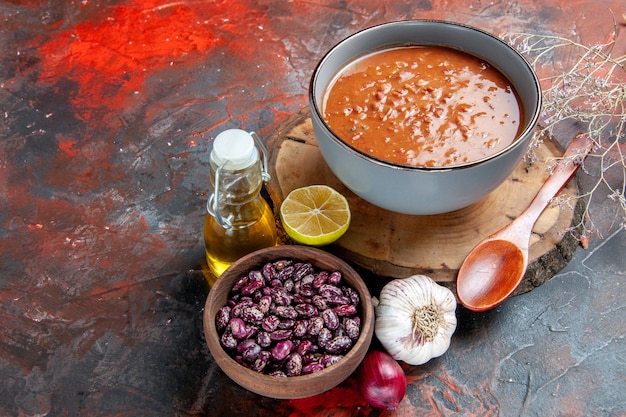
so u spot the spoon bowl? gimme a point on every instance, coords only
(495, 267)
(501, 257)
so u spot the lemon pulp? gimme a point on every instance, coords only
(315, 215)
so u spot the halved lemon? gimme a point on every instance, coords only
(315, 215)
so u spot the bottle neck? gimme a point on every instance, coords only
(235, 201)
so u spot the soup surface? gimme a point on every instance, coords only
(423, 106)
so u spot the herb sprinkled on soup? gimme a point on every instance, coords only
(423, 106)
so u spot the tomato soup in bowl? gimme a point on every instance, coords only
(423, 106)
(423, 117)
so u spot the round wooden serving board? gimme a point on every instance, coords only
(392, 245)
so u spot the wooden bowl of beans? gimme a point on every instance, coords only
(289, 321)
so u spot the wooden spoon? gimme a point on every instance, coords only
(496, 266)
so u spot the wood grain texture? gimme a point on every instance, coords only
(393, 245)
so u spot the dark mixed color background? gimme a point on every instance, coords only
(107, 112)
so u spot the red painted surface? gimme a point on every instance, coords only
(107, 111)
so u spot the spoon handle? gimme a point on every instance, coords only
(569, 163)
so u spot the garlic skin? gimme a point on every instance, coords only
(415, 319)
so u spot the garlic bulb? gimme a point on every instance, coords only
(415, 319)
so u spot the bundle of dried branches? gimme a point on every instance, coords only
(590, 93)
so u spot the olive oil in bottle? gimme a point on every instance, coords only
(238, 220)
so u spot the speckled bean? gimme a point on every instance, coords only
(264, 304)
(335, 278)
(351, 328)
(300, 329)
(331, 319)
(238, 328)
(345, 310)
(252, 314)
(228, 340)
(324, 337)
(339, 344)
(312, 368)
(264, 339)
(222, 317)
(293, 364)
(306, 310)
(252, 287)
(315, 325)
(270, 323)
(278, 335)
(287, 312)
(281, 350)
(326, 360)
(262, 361)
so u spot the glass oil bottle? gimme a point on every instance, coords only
(238, 219)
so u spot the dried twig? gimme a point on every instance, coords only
(590, 93)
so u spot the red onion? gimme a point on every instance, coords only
(381, 380)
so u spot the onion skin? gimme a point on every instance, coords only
(381, 380)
